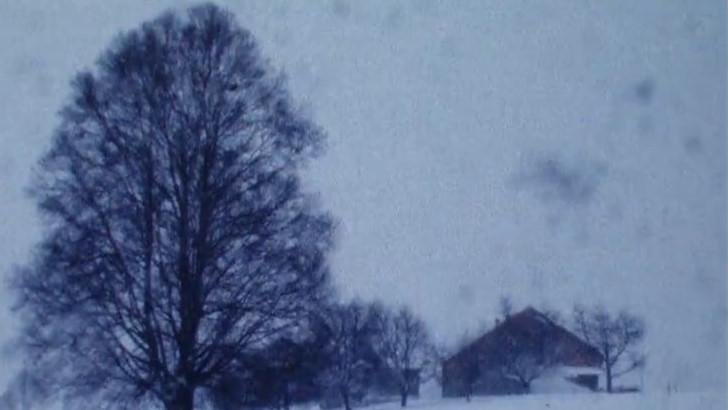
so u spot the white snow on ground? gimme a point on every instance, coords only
(709, 400)
(593, 401)
(556, 385)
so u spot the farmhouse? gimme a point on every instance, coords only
(517, 351)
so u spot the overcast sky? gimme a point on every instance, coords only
(555, 151)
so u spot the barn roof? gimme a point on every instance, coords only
(530, 324)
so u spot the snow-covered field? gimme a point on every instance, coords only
(713, 400)
(551, 394)
(587, 401)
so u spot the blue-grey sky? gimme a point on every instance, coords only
(555, 151)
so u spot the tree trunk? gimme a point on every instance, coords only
(609, 379)
(403, 393)
(286, 397)
(184, 399)
(345, 399)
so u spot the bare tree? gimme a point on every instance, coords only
(438, 354)
(403, 343)
(351, 328)
(614, 336)
(525, 358)
(470, 370)
(505, 306)
(177, 235)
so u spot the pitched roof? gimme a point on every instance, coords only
(532, 325)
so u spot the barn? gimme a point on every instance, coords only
(520, 349)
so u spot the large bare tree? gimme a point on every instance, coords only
(403, 343)
(615, 336)
(350, 329)
(177, 234)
